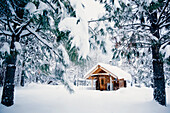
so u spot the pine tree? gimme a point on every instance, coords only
(29, 19)
(142, 24)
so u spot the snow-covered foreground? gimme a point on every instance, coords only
(37, 98)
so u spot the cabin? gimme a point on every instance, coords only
(107, 77)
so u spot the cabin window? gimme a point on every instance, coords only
(102, 81)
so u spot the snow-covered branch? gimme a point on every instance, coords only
(142, 32)
(10, 27)
(165, 43)
(167, 24)
(101, 19)
(167, 2)
(49, 45)
(15, 22)
(7, 33)
(164, 20)
(92, 31)
(11, 8)
(25, 33)
(137, 24)
(51, 5)
(3, 20)
(23, 26)
(150, 36)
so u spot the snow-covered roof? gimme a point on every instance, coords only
(112, 70)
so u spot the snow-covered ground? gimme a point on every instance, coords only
(37, 98)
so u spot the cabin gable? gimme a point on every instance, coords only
(99, 70)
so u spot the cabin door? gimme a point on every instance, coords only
(97, 84)
(102, 83)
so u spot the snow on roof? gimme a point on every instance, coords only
(114, 71)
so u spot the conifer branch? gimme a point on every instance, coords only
(167, 2)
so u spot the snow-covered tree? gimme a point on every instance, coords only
(81, 36)
(138, 24)
(36, 21)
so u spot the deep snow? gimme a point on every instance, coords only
(38, 98)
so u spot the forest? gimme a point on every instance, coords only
(55, 42)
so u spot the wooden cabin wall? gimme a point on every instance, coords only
(121, 83)
(115, 85)
(103, 80)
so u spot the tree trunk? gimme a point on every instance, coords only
(8, 89)
(22, 81)
(158, 78)
(2, 70)
(158, 71)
